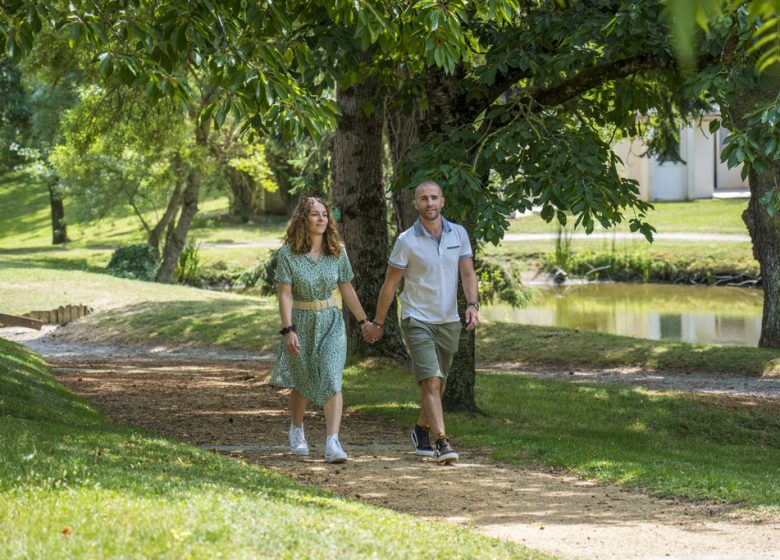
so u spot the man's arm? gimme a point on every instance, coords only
(386, 295)
(469, 279)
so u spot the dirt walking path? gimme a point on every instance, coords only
(229, 406)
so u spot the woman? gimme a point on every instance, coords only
(311, 264)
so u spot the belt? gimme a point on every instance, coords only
(316, 305)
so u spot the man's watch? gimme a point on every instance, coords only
(474, 304)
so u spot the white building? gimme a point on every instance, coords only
(702, 175)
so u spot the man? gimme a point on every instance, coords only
(429, 256)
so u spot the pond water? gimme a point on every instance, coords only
(711, 315)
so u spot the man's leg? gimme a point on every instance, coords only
(431, 413)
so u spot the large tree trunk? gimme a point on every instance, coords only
(401, 126)
(177, 236)
(59, 229)
(764, 229)
(443, 111)
(359, 197)
(174, 203)
(765, 234)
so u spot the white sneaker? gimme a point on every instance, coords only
(298, 445)
(333, 451)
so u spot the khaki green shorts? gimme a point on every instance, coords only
(431, 346)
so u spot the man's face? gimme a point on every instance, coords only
(428, 201)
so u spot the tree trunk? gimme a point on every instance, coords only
(243, 194)
(443, 111)
(174, 203)
(764, 229)
(765, 234)
(459, 392)
(401, 126)
(59, 229)
(359, 198)
(177, 236)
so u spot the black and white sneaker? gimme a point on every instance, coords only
(421, 438)
(445, 453)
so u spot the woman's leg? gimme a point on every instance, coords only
(297, 405)
(333, 407)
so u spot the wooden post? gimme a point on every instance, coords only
(14, 321)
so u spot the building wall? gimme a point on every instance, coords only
(700, 174)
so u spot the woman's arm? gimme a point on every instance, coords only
(349, 297)
(285, 311)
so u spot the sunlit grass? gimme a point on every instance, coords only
(697, 216)
(672, 444)
(560, 348)
(29, 226)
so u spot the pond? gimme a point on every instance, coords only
(710, 315)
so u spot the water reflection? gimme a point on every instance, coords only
(714, 315)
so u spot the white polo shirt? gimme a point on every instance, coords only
(430, 271)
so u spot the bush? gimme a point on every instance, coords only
(138, 261)
(262, 275)
(500, 283)
(188, 267)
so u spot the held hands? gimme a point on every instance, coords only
(472, 318)
(291, 343)
(371, 333)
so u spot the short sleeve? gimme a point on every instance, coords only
(283, 272)
(399, 257)
(345, 268)
(465, 245)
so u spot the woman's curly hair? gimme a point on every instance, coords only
(298, 230)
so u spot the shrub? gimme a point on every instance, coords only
(138, 261)
(499, 283)
(262, 275)
(188, 268)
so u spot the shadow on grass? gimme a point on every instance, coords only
(220, 321)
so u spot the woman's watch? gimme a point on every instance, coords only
(363, 321)
(474, 304)
(287, 330)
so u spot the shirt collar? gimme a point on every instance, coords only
(420, 230)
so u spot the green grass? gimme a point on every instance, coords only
(698, 216)
(559, 348)
(671, 444)
(73, 485)
(29, 227)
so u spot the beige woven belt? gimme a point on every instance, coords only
(315, 305)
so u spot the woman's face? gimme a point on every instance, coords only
(317, 220)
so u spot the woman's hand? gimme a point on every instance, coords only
(291, 343)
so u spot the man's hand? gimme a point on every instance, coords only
(291, 343)
(372, 333)
(472, 318)
(364, 330)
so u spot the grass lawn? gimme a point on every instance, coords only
(672, 444)
(29, 227)
(697, 216)
(558, 348)
(73, 485)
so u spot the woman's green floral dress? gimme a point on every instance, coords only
(316, 373)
